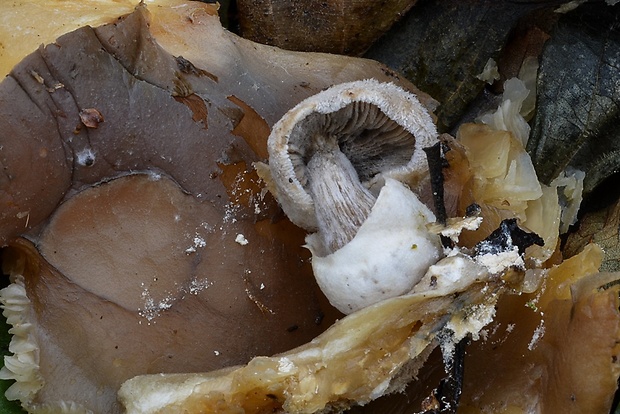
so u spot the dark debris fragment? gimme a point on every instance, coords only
(473, 210)
(508, 235)
(436, 163)
(445, 398)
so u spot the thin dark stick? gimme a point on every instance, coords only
(450, 388)
(436, 162)
(435, 168)
(445, 398)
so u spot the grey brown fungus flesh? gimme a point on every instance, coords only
(149, 244)
(335, 161)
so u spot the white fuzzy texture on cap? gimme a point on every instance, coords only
(399, 105)
(389, 254)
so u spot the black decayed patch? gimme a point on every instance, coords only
(508, 235)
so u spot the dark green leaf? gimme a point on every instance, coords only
(578, 97)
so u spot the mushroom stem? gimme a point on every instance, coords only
(341, 202)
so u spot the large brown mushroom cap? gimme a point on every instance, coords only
(221, 99)
(129, 191)
(135, 276)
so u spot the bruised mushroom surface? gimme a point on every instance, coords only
(333, 161)
(142, 232)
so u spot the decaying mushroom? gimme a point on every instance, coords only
(557, 346)
(332, 163)
(374, 351)
(362, 357)
(129, 237)
(163, 194)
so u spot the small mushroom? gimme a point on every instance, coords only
(333, 159)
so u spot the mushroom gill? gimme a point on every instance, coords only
(341, 143)
(133, 213)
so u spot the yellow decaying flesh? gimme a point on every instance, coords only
(42, 21)
(361, 357)
(503, 182)
(557, 347)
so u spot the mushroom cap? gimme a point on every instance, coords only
(191, 104)
(136, 276)
(380, 127)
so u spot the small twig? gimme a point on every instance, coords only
(445, 398)
(450, 388)
(435, 168)
(436, 162)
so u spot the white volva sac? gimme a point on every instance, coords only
(389, 254)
